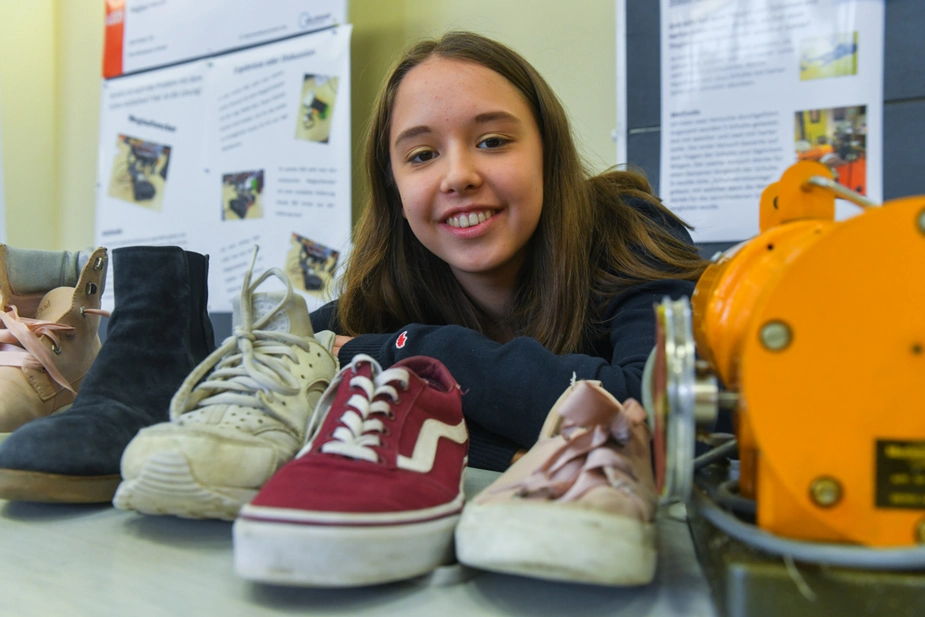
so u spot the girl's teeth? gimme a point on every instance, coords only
(469, 220)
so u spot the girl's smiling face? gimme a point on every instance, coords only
(467, 158)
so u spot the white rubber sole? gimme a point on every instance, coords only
(287, 553)
(557, 542)
(166, 485)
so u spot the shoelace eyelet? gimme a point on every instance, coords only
(55, 348)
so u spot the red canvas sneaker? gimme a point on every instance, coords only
(375, 495)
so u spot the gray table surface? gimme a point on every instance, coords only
(69, 560)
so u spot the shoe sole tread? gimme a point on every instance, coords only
(166, 486)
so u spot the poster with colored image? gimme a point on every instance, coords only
(244, 148)
(746, 93)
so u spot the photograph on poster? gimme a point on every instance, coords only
(829, 56)
(311, 266)
(837, 138)
(241, 195)
(319, 93)
(139, 172)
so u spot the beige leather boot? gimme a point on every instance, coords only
(49, 320)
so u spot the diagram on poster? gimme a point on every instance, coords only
(241, 195)
(139, 172)
(746, 93)
(250, 147)
(310, 266)
(837, 138)
(319, 94)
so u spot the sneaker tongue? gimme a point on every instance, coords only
(292, 317)
(54, 304)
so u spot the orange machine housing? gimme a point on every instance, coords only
(820, 328)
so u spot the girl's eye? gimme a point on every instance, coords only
(492, 142)
(422, 157)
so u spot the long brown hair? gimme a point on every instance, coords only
(391, 280)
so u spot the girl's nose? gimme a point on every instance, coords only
(462, 173)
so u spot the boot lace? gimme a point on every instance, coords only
(361, 425)
(256, 371)
(20, 342)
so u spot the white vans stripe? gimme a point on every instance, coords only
(425, 450)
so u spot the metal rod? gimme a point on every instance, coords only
(840, 191)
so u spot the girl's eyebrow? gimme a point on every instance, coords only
(410, 134)
(489, 116)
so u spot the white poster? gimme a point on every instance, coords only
(751, 86)
(143, 34)
(218, 155)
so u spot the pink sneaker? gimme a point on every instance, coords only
(579, 506)
(375, 495)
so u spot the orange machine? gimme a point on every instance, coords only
(816, 328)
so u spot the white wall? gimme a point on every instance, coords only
(28, 122)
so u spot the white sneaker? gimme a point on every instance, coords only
(238, 417)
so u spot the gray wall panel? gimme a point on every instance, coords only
(643, 85)
(904, 70)
(903, 149)
(643, 152)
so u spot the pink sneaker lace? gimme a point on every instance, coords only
(20, 342)
(587, 459)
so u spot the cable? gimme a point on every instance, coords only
(727, 494)
(814, 552)
(716, 454)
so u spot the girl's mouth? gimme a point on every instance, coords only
(469, 219)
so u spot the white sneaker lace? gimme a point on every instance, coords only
(361, 426)
(249, 377)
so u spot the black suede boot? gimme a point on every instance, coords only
(159, 331)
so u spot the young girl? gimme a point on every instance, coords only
(485, 244)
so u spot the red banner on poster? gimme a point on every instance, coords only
(115, 32)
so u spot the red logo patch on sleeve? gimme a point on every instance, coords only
(402, 339)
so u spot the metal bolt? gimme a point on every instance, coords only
(776, 335)
(920, 532)
(825, 492)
